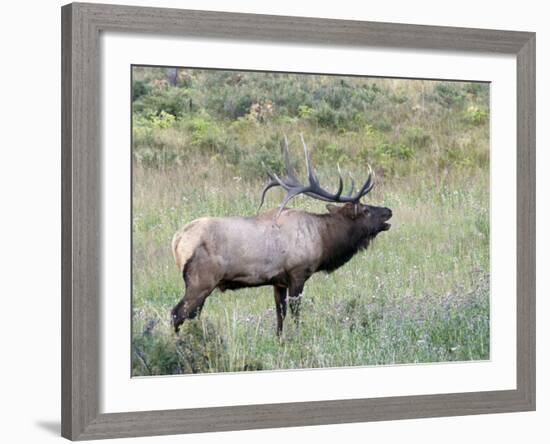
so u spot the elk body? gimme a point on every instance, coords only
(282, 247)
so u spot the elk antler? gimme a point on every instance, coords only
(294, 187)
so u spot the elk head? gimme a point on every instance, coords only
(369, 219)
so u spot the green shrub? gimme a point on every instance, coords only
(198, 126)
(399, 98)
(244, 124)
(208, 138)
(333, 152)
(384, 125)
(477, 90)
(214, 142)
(140, 88)
(417, 137)
(163, 120)
(449, 93)
(395, 150)
(326, 117)
(198, 348)
(174, 101)
(238, 105)
(476, 115)
(266, 156)
(304, 111)
(365, 95)
(336, 96)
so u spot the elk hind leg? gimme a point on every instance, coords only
(198, 287)
(189, 306)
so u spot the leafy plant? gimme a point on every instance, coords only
(395, 150)
(476, 114)
(140, 88)
(449, 93)
(417, 137)
(305, 111)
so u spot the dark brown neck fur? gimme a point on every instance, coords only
(342, 238)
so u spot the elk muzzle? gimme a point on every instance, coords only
(385, 215)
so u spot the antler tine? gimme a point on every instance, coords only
(340, 182)
(352, 184)
(289, 170)
(276, 180)
(367, 186)
(293, 192)
(310, 172)
(272, 183)
(285, 185)
(264, 192)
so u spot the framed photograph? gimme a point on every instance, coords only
(278, 221)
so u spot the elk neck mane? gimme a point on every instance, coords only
(342, 238)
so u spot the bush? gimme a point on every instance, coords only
(336, 96)
(477, 90)
(238, 105)
(214, 142)
(326, 117)
(163, 120)
(174, 101)
(332, 152)
(140, 88)
(383, 124)
(417, 137)
(449, 93)
(304, 111)
(198, 349)
(266, 156)
(395, 150)
(476, 115)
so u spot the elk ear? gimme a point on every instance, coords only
(333, 209)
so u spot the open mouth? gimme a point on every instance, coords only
(386, 226)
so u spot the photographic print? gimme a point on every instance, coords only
(287, 221)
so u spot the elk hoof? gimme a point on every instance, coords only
(176, 322)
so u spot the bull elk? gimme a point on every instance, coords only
(282, 247)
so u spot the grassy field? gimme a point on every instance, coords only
(421, 291)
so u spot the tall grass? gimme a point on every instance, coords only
(421, 291)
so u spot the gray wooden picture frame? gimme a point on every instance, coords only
(81, 234)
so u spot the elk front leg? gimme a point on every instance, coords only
(280, 306)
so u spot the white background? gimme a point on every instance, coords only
(30, 221)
